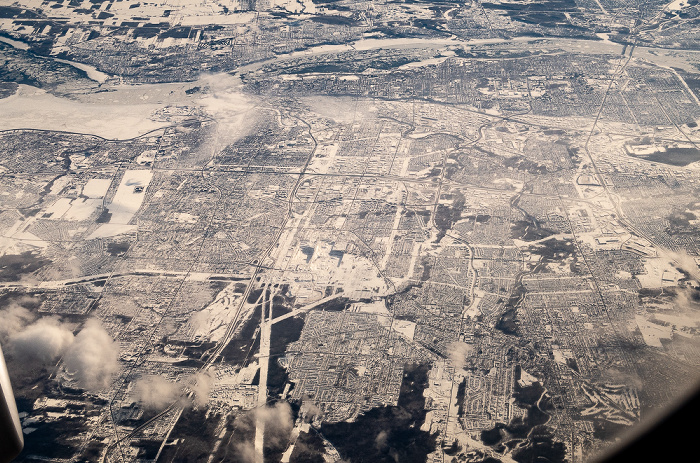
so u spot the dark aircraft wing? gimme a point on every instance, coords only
(11, 440)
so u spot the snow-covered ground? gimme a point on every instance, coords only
(33, 108)
(129, 196)
(676, 5)
(96, 187)
(126, 202)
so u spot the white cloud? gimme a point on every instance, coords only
(42, 342)
(15, 317)
(93, 357)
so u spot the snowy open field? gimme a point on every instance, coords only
(127, 201)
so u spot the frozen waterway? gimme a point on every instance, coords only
(91, 71)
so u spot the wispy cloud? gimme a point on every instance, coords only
(200, 384)
(276, 420)
(458, 352)
(156, 392)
